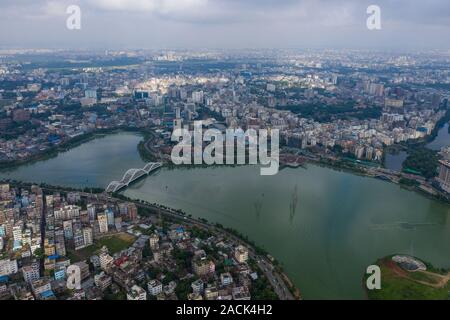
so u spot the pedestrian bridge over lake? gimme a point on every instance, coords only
(132, 175)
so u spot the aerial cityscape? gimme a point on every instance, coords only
(223, 171)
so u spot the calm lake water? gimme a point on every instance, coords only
(323, 225)
(394, 161)
(94, 163)
(441, 140)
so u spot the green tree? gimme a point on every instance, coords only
(422, 160)
(39, 253)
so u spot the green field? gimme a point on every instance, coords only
(397, 287)
(115, 243)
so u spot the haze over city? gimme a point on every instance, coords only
(155, 24)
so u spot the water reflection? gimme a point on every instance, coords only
(442, 139)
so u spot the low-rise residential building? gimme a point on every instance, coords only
(154, 287)
(102, 280)
(136, 293)
(241, 254)
(31, 272)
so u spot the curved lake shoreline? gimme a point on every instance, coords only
(324, 226)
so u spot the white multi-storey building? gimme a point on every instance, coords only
(105, 261)
(31, 272)
(8, 267)
(136, 293)
(241, 254)
(88, 236)
(102, 223)
(154, 287)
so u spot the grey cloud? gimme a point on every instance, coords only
(225, 23)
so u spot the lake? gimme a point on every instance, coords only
(325, 226)
(395, 160)
(442, 139)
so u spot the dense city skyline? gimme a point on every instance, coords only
(225, 24)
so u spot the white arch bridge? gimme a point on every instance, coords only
(132, 175)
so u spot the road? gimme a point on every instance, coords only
(266, 266)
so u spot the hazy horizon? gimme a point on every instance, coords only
(225, 24)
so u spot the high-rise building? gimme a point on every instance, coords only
(118, 223)
(68, 229)
(60, 245)
(444, 175)
(110, 216)
(132, 212)
(78, 239)
(102, 222)
(88, 236)
(91, 212)
(154, 241)
(123, 209)
(17, 233)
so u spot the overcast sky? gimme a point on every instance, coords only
(122, 24)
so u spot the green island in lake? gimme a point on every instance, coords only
(407, 278)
